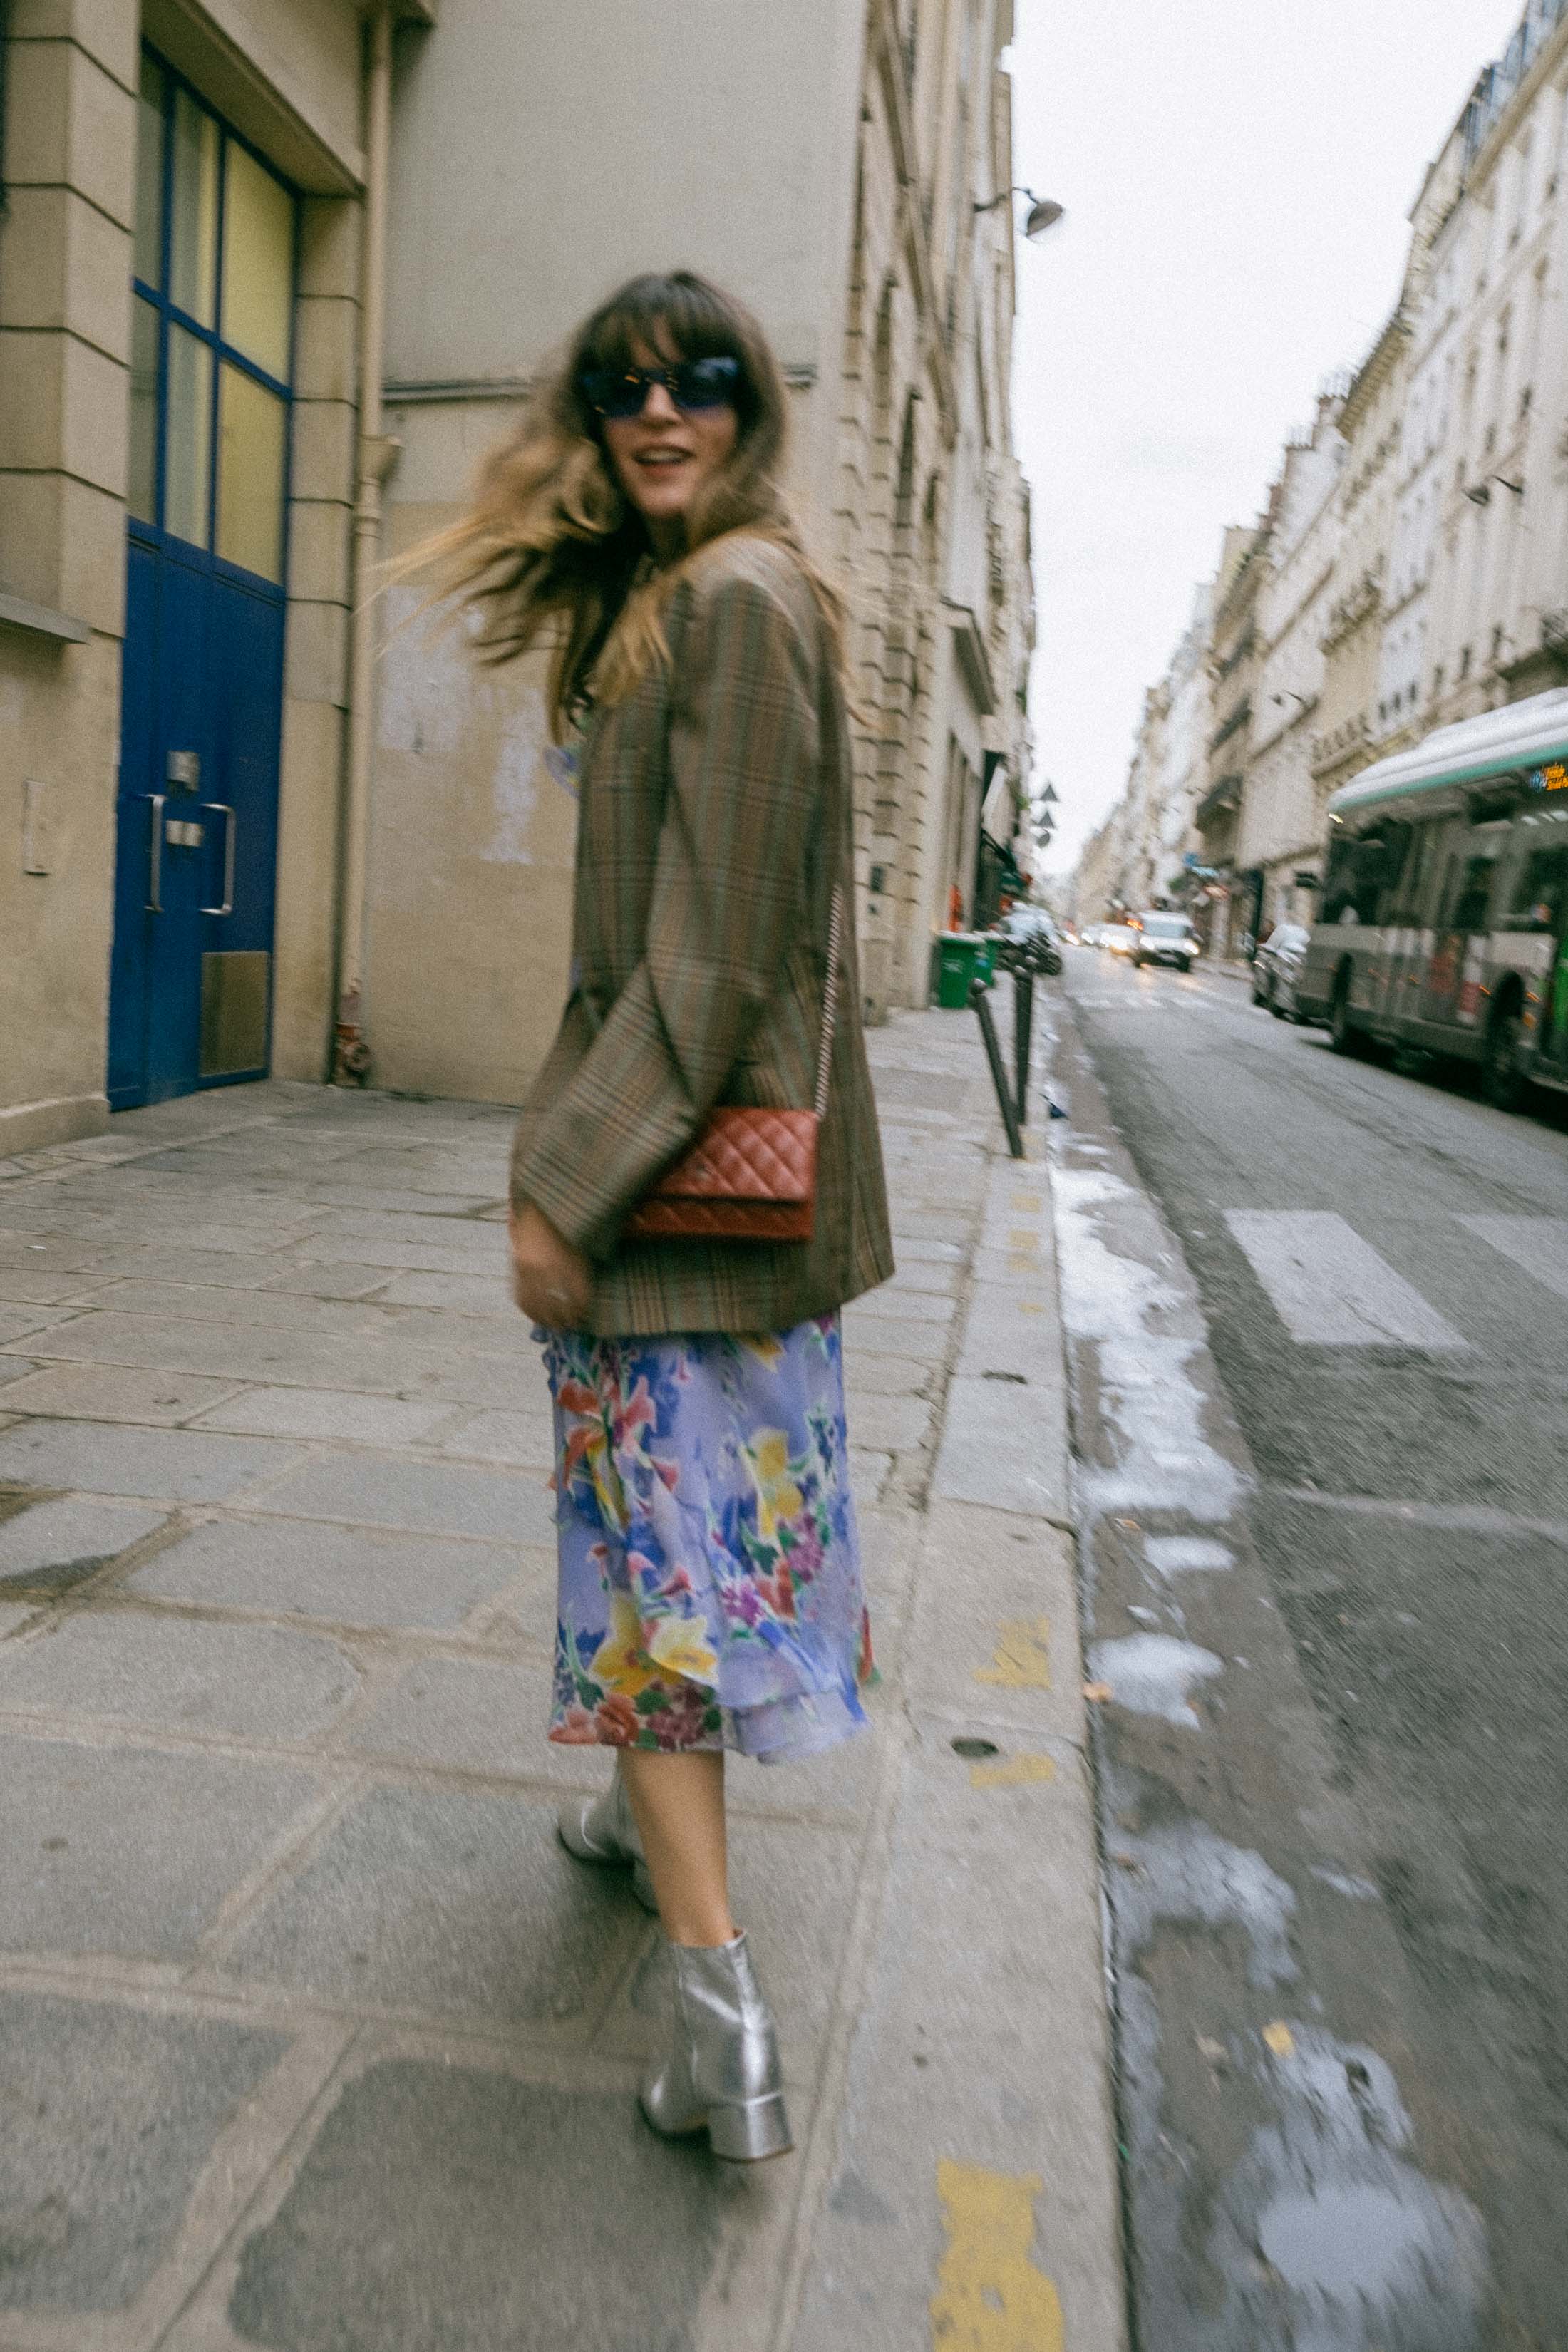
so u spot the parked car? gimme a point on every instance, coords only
(1120, 938)
(1164, 937)
(1277, 968)
(1092, 935)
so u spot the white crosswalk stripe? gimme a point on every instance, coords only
(1539, 1244)
(1330, 1289)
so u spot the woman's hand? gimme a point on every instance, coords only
(551, 1281)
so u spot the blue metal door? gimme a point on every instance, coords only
(190, 984)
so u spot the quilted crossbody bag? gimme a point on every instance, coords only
(751, 1176)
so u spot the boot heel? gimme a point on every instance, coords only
(750, 2130)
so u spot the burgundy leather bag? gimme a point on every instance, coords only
(751, 1176)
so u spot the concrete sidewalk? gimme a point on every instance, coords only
(310, 2037)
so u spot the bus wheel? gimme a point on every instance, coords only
(1502, 1080)
(1343, 1034)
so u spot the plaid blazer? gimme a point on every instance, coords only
(714, 821)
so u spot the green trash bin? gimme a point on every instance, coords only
(961, 958)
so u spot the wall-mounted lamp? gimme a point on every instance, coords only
(1290, 695)
(1480, 495)
(1042, 214)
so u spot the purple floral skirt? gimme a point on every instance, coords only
(710, 1571)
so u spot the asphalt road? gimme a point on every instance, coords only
(1359, 1278)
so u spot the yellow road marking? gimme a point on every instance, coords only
(1281, 2038)
(1030, 1202)
(1020, 1237)
(1023, 1656)
(991, 2295)
(1012, 1772)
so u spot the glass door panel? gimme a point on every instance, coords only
(188, 458)
(252, 431)
(148, 261)
(258, 262)
(142, 495)
(192, 227)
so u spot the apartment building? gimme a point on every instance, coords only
(273, 274)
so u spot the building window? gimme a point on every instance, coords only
(211, 333)
(1464, 661)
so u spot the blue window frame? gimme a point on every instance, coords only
(213, 339)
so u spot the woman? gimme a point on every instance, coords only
(709, 1584)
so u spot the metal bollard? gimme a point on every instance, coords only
(1023, 1038)
(978, 998)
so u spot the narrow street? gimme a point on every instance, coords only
(1315, 1319)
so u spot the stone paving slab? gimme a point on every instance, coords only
(122, 1850)
(480, 1714)
(447, 1902)
(49, 1547)
(16, 1322)
(186, 1465)
(420, 2156)
(140, 1668)
(246, 1309)
(92, 1392)
(17, 1284)
(342, 1576)
(426, 1497)
(300, 1359)
(275, 1767)
(357, 1419)
(527, 1441)
(110, 2115)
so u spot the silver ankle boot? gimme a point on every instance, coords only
(602, 1830)
(723, 2067)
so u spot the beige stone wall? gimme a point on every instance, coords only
(805, 165)
(65, 309)
(315, 673)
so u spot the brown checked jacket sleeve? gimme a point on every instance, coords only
(714, 824)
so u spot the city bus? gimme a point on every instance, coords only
(1444, 901)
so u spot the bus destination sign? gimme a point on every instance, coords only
(1552, 778)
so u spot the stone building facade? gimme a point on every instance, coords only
(1225, 908)
(1278, 829)
(1349, 727)
(1432, 583)
(257, 328)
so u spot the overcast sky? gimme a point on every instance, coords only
(1236, 175)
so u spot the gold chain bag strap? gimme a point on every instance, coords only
(751, 1176)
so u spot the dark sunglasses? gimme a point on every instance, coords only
(692, 384)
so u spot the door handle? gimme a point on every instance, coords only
(231, 834)
(156, 852)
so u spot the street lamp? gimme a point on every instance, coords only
(1042, 214)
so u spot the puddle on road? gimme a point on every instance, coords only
(1154, 1673)
(1148, 1396)
(1176, 1555)
(1365, 2251)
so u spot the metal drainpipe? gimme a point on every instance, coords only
(376, 454)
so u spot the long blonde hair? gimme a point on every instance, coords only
(552, 550)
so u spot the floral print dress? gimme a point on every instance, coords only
(709, 1572)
